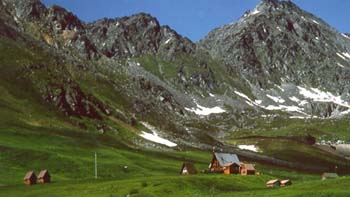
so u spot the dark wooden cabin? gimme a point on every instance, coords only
(188, 168)
(247, 169)
(30, 178)
(44, 177)
(225, 163)
(286, 182)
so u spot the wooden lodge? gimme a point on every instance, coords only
(273, 183)
(286, 182)
(44, 177)
(188, 168)
(247, 169)
(329, 175)
(30, 178)
(225, 163)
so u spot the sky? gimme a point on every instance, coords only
(196, 18)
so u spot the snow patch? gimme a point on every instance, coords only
(276, 99)
(280, 88)
(248, 100)
(303, 102)
(345, 112)
(154, 136)
(344, 35)
(205, 111)
(315, 21)
(243, 95)
(167, 41)
(258, 102)
(285, 108)
(254, 12)
(344, 56)
(340, 65)
(248, 147)
(295, 99)
(320, 96)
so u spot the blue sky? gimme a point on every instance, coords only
(195, 18)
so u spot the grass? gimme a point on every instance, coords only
(195, 185)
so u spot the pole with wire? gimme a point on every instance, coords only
(95, 165)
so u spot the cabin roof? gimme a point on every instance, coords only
(285, 181)
(249, 166)
(42, 173)
(272, 181)
(28, 175)
(330, 175)
(227, 159)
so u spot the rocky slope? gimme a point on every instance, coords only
(291, 60)
(276, 62)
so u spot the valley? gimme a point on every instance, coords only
(271, 88)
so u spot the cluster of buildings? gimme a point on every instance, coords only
(226, 163)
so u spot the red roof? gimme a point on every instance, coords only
(249, 166)
(42, 173)
(272, 181)
(29, 174)
(285, 181)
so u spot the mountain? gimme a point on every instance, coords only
(277, 71)
(291, 60)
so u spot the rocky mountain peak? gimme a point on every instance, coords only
(63, 19)
(135, 35)
(28, 9)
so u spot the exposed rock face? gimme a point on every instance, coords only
(136, 35)
(120, 37)
(31, 10)
(278, 42)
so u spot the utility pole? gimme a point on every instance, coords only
(95, 165)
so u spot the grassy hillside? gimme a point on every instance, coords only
(197, 185)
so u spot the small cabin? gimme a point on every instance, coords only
(188, 168)
(286, 182)
(30, 178)
(247, 169)
(226, 163)
(44, 177)
(273, 183)
(329, 175)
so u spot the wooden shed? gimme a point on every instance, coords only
(44, 177)
(329, 175)
(247, 169)
(188, 168)
(30, 178)
(225, 163)
(286, 182)
(273, 183)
